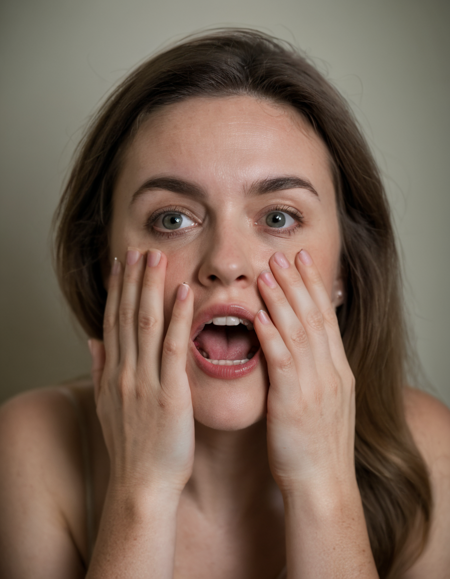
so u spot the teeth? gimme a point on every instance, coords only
(227, 362)
(230, 321)
(226, 321)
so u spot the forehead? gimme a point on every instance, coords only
(227, 142)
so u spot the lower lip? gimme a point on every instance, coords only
(225, 372)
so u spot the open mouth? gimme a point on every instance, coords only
(227, 345)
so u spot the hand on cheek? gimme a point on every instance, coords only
(311, 399)
(142, 392)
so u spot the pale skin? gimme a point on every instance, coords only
(196, 476)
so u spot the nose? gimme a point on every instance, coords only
(227, 259)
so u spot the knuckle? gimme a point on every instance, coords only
(296, 281)
(161, 401)
(142, 392)
(130, 275)
(299, 337)
(334, 383)
(124, 381)
(329, 316)
(109, 323)
(171, 347)
(315, 320)
(126, 315)
(165, 400)
(146, 322)
(285, 363)
(278, 298)
(150, 282)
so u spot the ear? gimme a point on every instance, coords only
(337, 296)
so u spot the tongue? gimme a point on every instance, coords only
(226, 342)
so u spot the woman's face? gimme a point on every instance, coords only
(236, 167)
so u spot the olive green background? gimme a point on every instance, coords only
(58, 59)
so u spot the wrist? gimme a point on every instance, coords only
(138, 500)
(323, 496)
(326, 531)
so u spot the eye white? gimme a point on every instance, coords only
(285, 225)
(166, 217)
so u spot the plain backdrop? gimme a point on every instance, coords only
(59, 58)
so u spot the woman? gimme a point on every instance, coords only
(225, 241)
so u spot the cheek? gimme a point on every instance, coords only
(328, 270)
(326, 258)
(179, 270)
(120, 240)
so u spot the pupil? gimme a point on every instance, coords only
(172, 221)
(276, 218)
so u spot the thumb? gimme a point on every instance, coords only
(98, 356)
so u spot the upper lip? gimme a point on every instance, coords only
(220, 310)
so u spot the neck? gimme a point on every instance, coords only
(231, 473)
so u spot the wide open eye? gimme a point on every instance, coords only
(169, 222)
(283, 219)
(172, 221)
(278, 219)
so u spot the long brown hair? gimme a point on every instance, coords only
(392, 476)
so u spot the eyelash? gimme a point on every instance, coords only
(294, 213)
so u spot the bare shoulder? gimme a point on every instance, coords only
(37, 425)
(421, 407)
(41, 423)
(429, 421)
(41, 487)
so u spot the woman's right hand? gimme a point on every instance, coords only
(142, 391)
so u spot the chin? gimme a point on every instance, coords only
(229, 405)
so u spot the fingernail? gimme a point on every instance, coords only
(153, 258)
(115, 267)
(268, 278)
(133, 256)
(182, 292)
(305, 258)
(264, 318)
(281, 260)
(91, 346)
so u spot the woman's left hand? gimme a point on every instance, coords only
(311, 398)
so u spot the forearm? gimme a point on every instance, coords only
(326, 535)
(137, 536)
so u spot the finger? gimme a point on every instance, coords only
(151, 315)
(98, 356)
(281, 365)
(289, 326)
(176, 342)
(129, 305)
(305, 309)
(313, 281)
(110, 318)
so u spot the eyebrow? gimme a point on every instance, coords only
(259, 187)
